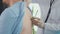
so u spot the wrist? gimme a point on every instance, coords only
(41, 25)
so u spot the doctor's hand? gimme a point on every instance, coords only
(38, 22)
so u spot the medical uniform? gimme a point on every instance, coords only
(52, 26)
(11, 19)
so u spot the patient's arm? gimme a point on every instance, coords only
(27, 26)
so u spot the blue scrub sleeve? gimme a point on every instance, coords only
(11, 20)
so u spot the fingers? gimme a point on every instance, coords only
(38, 22)
(35, 21)
(35, 18)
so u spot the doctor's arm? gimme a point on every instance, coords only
(43, 25)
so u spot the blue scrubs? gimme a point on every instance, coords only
(11, 19)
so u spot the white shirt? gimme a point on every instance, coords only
(35, 8)
(53, 24)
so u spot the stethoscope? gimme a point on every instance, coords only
(51, 2)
